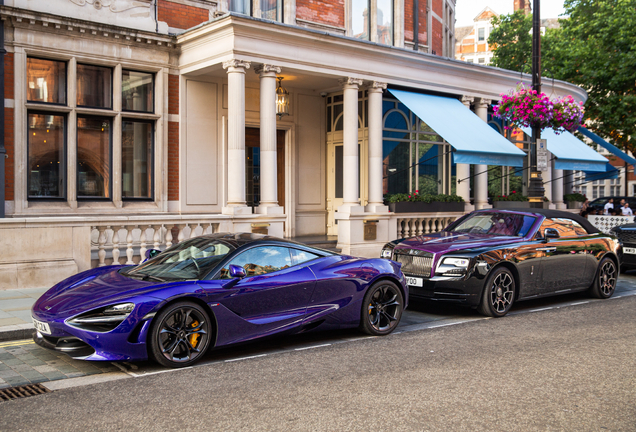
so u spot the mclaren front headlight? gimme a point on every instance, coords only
(452, 266)
(103, 319)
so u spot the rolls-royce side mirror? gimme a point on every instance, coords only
(550, 233)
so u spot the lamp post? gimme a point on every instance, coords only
(535, 188)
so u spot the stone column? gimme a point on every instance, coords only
(269, 179)
(375, 204)
(236, 137)
(463, 171)
(351, 194)
(557, 188)
(481, 174)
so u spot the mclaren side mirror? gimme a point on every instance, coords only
(237, 271)
(550, 233)
(151, 253)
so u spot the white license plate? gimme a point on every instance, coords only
(42, 327)
(413, 281)
(629, 250)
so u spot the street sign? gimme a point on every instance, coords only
(542, 155)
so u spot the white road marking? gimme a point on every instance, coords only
(543, 309)
(136, 375)
(311, 347)
(245, 358)
(579, 303)
(446, 325)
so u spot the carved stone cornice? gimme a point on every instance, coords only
(376, 86)
(236, 64)
(267, 68)
(349, 81)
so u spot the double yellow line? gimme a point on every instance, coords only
(16, 343)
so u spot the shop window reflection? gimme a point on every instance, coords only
(46, 151)
(137, 159)
(93, 157)
(94, 86)
(46, 81)
(137, 91)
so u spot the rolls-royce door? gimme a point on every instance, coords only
(563, 266)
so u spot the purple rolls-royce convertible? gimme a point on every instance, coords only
(212, 291)
(488, 259)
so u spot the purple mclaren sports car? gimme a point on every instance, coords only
(212, 291)
(489, 259)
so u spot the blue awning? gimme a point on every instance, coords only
(571, 152)
(607, 146)
(473, 140)
(611, 172)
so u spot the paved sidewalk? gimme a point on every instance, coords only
(23, 362)
(15, 312)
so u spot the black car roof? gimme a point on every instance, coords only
(549, 213)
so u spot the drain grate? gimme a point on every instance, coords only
(22, 391)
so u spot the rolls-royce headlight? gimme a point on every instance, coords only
(451, 266)
(457, 262)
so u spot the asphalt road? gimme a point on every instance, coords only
(569, 368)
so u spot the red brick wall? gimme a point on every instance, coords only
(9, 162)
(322, 11)
(181, 16)
(173, 94)
(409, 21)
(173, 139)
(437, 33)
(173, 161)
(438, 8)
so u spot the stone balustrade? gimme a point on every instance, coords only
(413, 224)
(134, 239)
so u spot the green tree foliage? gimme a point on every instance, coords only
(512, 41)
(595, 49)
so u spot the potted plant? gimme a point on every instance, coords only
(574, 201)
(567, 114)
(423, 203)
(514, 200)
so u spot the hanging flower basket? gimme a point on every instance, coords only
(528, 108)
(567, 114)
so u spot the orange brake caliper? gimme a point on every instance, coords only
(194, 339)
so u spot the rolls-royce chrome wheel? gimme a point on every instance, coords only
(499, 294)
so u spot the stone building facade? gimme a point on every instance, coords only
(132, 124)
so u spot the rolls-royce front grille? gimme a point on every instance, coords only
(418, 265)
(626, 236)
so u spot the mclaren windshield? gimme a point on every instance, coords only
(495, 224)
(190, 259)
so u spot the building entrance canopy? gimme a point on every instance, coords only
(571, 152)
(472, 139)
